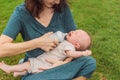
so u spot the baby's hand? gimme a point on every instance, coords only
(87, 53)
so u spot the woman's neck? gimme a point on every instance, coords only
(45, 17)
(46, 11)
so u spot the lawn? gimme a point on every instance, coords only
(101, 18)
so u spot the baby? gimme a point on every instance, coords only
(74, 45)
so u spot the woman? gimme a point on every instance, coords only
(33, 20)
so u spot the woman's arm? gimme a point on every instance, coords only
(8, 48)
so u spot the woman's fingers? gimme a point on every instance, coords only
(49, 49)
(53, 45)
(46, 43)
(50, 45)
(56, 42)
(48, 34)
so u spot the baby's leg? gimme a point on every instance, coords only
(15, 68)
(19, 73)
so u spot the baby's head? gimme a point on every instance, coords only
(80, 39)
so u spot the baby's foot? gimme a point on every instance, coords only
(19, 73)
(5, 67)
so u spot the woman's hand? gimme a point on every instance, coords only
(46, 43)
(56, 63)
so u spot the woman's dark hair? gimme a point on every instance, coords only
(36, 6)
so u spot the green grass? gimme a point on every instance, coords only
(101, 18)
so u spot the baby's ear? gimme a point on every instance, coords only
(77, 45)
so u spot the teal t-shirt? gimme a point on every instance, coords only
(21, 21)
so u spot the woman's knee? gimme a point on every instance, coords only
(88, 66)
(89, 62)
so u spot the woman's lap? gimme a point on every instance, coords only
(83, 66)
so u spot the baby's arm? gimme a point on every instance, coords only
(76, 54)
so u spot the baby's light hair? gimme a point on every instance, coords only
(82, 48)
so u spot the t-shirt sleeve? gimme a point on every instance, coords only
(67, 46)
(68, 20)
(13, 26)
